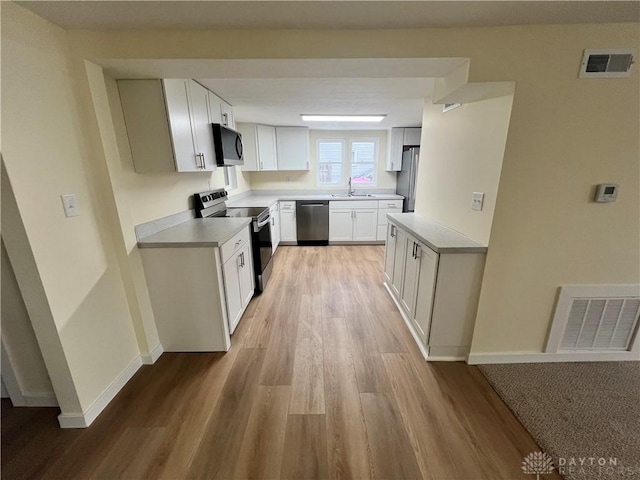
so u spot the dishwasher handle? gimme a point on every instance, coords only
(312, 205)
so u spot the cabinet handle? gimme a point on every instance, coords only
(393, 231)
(237, 243)
(261, 166)
(273, 222)
(241, 257)
(225, 119)
(307, 165)
(391, 205)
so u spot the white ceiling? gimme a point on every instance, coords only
(341, 14)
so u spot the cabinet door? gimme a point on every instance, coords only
(182, 135)
(411, 136)
(288, 229)
(266, 147)
(215, 108)
(394, 162)
(275, 227)
(250, 146)
(292, 145)
(341, 225)
(365, 224)
(426, 289)
(389, 253)
(398, 262)
(246, 276)
(203, 132)
(232, 290)
(410, 280)
(226, 112)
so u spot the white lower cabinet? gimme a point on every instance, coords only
(238, 283)
(274, 213)
(353, 221)
(199, 294)
(437, 293)
(288, 225)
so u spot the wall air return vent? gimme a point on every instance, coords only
(612, 63)
(595, 318)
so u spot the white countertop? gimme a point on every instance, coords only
(437, 237)
(268, 200)
(199, 232)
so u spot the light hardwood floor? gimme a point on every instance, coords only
(323, 380)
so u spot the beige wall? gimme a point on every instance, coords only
(308, 179)
(462, 153)
(18, 337)
(46, 154)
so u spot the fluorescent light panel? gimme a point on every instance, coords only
(342, 118)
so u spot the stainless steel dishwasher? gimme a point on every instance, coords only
(313, 222)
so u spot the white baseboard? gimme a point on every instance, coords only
(83, 420)
(539, 357)
(151, 358)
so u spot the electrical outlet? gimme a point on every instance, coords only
(70, 205)
(477, 199)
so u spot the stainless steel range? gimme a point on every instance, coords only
(213, 204)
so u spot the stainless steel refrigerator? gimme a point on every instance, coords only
(406, 179)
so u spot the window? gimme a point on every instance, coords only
(363, 162)
(330, 162)
(341, 159)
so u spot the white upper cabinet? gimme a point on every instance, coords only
(259, 142)
(411, 137)
(215, 108)
(267, 155)
(169, 124)
(203, 133)
(394, 159)
(398, 138)
(292, 148)
(226, 111)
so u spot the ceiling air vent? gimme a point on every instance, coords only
(612, 63)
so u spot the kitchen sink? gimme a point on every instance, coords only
(344, 195)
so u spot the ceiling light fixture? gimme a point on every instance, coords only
(343, 118)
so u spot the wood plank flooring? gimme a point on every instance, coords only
(323, 381)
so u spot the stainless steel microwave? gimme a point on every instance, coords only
(228, 146)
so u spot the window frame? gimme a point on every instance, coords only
(347, 160)
(343, 181)
(376, 157)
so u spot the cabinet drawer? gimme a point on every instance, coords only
(288, 205)
(234, 245)
(391, 205)
(353, 204)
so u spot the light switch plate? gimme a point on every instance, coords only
(70, 205)
(477, 199)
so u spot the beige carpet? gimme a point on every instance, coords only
(578, 411)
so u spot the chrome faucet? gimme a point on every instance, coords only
(351, 190)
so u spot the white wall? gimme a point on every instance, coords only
(462, 152)
(308, 179)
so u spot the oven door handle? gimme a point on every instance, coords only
(264, 222)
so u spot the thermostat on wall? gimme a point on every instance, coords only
(607, 192)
